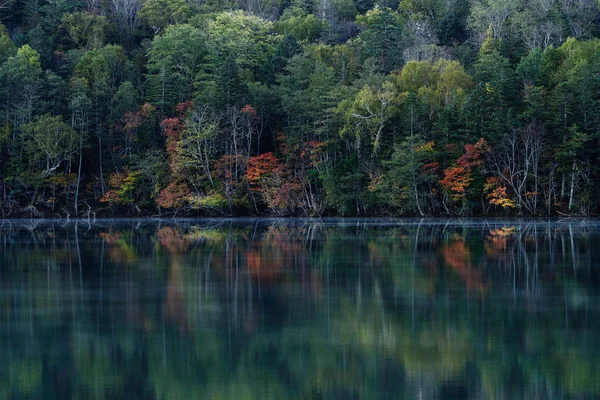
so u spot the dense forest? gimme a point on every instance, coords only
(299, 107)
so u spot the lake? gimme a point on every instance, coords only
(300, 309)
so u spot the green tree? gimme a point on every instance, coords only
(175, 58)
(49, 143)
(158, 14)
(384, 37)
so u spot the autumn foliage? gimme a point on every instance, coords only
(268, 176)
(497, 193)
(173, 196)
(458, 178)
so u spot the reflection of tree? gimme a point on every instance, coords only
(458, 257)
(299, 310)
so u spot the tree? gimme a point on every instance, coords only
(85, 29)
(410, 174)
(367, 116)
(174, 60)
(458, 179)
(7, 47)
(127, 14)
(384, 35)
(21, 77)
(50, 144)
(495, 14)
(159, 14)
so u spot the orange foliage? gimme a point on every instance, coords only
(457, 178)
(115, 181)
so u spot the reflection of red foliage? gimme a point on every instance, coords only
(176, 243)
(175, 301)
(172, 240)
(110, 237)
(263, 269)
(458, 257)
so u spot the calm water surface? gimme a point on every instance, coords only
(299, 309)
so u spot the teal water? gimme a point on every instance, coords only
(299, 309)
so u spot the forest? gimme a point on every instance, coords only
(299, 107)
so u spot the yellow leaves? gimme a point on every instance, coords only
(503, 232)
(62, 181)
(427, 147)
(439, 83)
(497, 194)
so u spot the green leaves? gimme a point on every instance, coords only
(159, 14)
(50, 143)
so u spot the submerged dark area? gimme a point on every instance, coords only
(299, 309)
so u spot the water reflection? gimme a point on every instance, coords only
(299, 309)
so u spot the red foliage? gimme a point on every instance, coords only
(450, 147)
(228, 165)
(172, 128)
(260, 166)
(183, 108)
(431, 168)
(173, 196)
(132, 121)
(250, 111)
(474, 154)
